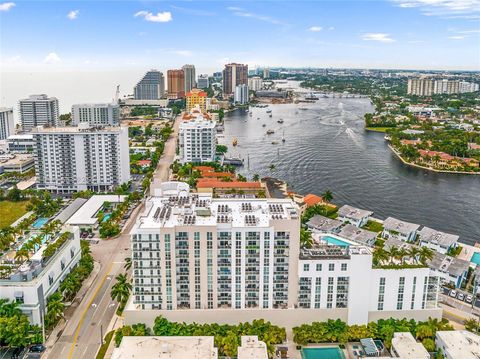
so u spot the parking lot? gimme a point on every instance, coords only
(446, 297)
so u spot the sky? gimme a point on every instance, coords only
(109, 35)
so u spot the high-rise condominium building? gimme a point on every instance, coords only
(189, 77)
(38, 110)
(420, 87)
(150, 87)
(71, 159)
(96, 114)
(203, 82)
(7, 127)
(233, 75)
(196, 139)
(196, 97)
(266, 73)
(255, 83)
(176, 84)
(194, 251)
(241, 94)
(428, 87)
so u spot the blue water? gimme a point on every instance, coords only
(475, 258)
(322, 353)
(106, 218)
(335, 241)
(39, 223)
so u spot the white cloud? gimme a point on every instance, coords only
(184, 53)
(315, 28)
(380, 37)
(243, 13)
(164, 16)
(469, 9)
(72, 15)
(6, 6)
(456, 37)
(51, 58)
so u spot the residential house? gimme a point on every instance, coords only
(449, 269)
(324, 224)
(356, 216)
(439, 241)
(395, 228)
(358, 235)
(458, 344)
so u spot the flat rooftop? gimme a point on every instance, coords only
(397, 225)
(353, 212)
(163, 347)
(332, 252)
(203, 210)
(447, 264)
(405, 345)
(460, 344)
(86, 214)
(436, 237)
(75, 129)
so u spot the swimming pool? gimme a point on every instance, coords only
(39, 222)
(475, 258)
(322, 353)
(106, 218)
(335, 241)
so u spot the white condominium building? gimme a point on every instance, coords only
(202, 81)
(255, 83)
(189, 77)
(38, 110)
(197, 141)
(71, 159)
(31, 283)
(199, 258)
(7, 127)
(428, 87)
(199, 252)
(98, 114)
(420, 87)
(241, 94)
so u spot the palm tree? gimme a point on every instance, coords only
(256, 177)
(413, 253)
(55, 308)
(306, 240)
(128, 263)
(425, 255)
(380, 256)
(9, 309)
(393, 253)
(327, 196)
(402, 253)
(21, 255)
(121, 289)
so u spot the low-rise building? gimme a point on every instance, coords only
(86, 215)
(324, 224)
(356, 216)
(31, 283)
(458, 344)
(405, 346)
(438, 241)
(16, 163)
(252, 348)
(395, 228)
(449, 269)
(358, 235)
(163, 347)
(21, 143)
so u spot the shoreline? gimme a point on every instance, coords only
(429, 168)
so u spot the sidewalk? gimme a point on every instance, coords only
(115, 323)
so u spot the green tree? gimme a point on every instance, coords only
(128, 263)
(121, 289)
(55, 309)
(327, 196)
(306, 240)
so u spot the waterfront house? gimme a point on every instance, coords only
(356, 216)
(358, 235)
(395, 228)
(324, 224)
(449, 269)
(444, 160)
(397, 243)
(438, 241)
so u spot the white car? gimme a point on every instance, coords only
(461, 296)
(453, 293)
(469, 298)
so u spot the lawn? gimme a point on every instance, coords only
(378, 129)
(373, 226)
(11, 211)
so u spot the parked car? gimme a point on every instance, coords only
(453, 293)
(461, 296)
(469, 298)
(38, 348)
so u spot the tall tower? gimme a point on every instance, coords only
(189, 73)
(39, 110)
(150, 87)
(233, 75)
(176, 84)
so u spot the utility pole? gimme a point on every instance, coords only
(42, 320)
(101, 334)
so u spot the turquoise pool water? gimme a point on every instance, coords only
(106, 218)
(322, 353)
(335, 241)
(39, 222)
(475, 258)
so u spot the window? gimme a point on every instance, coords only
(306, 267)
(381, 293)
(319, 267)
(344, 267)
(331, 267)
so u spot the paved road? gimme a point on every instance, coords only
(162, 172)
(81, 336)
